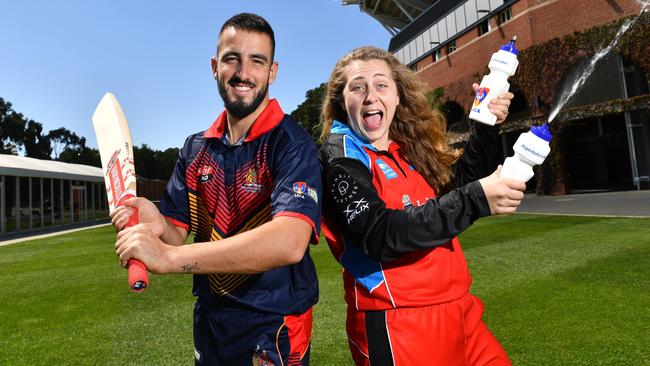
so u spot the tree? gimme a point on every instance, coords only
(12, 127)
(434, 97)
(63, 139)
(307, 114)
(36, 144)
(81, 155)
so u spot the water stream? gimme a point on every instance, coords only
(568, 92)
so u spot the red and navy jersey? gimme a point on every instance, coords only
(393, 234)
(219, 190)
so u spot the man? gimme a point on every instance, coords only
(249, 189)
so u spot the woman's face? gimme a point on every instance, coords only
(370, 98)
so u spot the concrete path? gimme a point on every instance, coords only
(628, 203)
(25, 236)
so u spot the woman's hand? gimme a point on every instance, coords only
(504, 195)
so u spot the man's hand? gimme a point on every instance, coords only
(141, 243)
(148, 215)
(499, 105)
(504, 195)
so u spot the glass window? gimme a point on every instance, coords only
(451, 47)
(67, 209)
(11, 213)
(24, 203)
(47, 202)
(36, 208)
(505, 15)
(438, 54)
(57, 202)
(484, 27)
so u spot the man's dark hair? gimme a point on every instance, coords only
(251, 23)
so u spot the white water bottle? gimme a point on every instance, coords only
(531, 148)
(503, 64)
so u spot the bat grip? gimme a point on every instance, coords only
(138, 275)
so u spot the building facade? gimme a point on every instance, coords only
(601, 137)
(40, 194)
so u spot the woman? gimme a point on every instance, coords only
(386, 163)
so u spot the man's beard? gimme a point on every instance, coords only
(237, 107)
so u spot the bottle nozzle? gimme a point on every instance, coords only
(510, 46)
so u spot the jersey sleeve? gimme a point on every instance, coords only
(173, 204)
(297, 187)
(386, 234)
(480, 156)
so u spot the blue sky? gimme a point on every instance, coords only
(60, 57)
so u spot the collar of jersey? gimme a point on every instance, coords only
(343, 129)
(265, 122)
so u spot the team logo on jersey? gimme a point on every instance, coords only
(206, 173)
(481, 93)
(301, 189)
(406, 201)
(343, 188)
(251, 183)
(388, 171)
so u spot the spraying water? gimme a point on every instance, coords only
(567, 93)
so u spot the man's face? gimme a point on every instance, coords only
(244, 70)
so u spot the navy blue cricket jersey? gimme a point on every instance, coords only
(218, 190)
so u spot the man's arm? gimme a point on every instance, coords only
(280, 242)
(150, 217)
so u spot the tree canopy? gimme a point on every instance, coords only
(307, 114)
(22, 135)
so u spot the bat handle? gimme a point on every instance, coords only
(138, 275)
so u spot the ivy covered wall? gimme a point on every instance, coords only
(543, 67)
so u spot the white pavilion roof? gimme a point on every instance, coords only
(29, 167)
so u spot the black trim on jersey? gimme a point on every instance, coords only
(480, 155)
(379, 350)
(387, 234)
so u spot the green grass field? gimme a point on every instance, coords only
(558, 290)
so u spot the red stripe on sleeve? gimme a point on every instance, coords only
(178, 223)
(314, 234)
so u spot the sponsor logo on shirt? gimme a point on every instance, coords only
(344, 188)
(355, 208)
(388, 171)
(311, 192)
(250, 182)
(206, 172)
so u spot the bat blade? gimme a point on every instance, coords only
(116, 154)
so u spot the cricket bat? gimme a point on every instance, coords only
(116, 152)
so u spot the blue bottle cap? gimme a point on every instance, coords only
(542, 132)
(510, 46)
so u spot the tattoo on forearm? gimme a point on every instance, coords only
(190, 268)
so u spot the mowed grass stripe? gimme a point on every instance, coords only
(577, 294)
(596, 314)
(566, 242)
